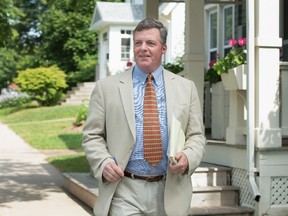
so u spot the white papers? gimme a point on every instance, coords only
(176, 140)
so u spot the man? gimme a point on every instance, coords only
(115, 134)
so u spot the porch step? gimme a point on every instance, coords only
(215, 196)
(212, 191)
(211, 175)
(221, 211)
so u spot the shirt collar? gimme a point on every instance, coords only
(142, 76)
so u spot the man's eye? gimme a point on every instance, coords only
(151, 43)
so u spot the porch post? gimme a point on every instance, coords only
(194, 56)
(151, 8)
(267, 103)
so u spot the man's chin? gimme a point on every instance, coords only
(145, 67)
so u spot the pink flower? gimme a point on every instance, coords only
(211, 63)
(129, 64)
(232, 42)
(242, 41)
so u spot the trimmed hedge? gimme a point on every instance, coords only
(45, 85)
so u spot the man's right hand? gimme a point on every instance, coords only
(113, 172)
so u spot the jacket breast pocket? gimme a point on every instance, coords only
(181, 112)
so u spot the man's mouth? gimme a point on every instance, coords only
(144, 56)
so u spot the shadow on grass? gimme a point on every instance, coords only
(72, 140)
(70, 163)
(11, 110)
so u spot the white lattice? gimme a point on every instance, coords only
(240, 180)
(279, 191)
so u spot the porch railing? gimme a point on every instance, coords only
(283, 96)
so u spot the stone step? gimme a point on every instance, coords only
(215, 196)
(84, 187)
(221, 211)
(79, 93)
(211, 175)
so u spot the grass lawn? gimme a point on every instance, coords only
(70, 163)
(49, 128)
(49, 135)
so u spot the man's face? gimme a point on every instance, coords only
(148, 49)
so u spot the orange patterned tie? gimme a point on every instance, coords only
(151, 126)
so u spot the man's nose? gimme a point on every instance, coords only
(143, 46)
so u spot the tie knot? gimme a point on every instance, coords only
(150, 77)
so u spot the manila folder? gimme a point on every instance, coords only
(176, 139)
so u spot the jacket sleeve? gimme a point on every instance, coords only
(94, 134)
(195, 138)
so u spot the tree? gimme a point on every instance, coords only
(7, 15)
(42, 33)
(18, 19)
(67, 40)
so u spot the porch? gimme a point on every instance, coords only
(220, 119)
(271, 166)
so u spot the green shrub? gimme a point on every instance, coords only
(45, 85)
(85, 73)
(82, 114)
(176, 67)
(212, 76)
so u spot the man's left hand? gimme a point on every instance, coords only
(182, 164)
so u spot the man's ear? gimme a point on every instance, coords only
(164, 49)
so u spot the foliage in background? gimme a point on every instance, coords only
(45, 85)
(85, 73)
(67, 41)
(176, 67)
(234, 58)
(8, 66)
(8, 14)
(82, 114)
(14, 99)
(211, 74)
(42, 33)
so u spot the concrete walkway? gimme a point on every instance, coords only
(29, 186)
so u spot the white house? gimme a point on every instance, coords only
(115, 22)
(255, 136)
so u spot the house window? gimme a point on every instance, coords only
(212, 35)
(105, 36)
(228, 27)
(126, 44)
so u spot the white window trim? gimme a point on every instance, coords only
(223, 29)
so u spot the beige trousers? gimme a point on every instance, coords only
(137, 197)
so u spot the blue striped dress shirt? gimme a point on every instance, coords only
(137, 164)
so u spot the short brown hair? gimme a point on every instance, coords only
(149, 23)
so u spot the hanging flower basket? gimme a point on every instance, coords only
(235, 79)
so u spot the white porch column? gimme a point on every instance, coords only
(151, 8)
(267, 103)
(194, 44)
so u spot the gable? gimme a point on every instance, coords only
(107, 13)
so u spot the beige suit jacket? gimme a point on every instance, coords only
(110, 131)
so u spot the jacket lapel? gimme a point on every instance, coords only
(126, 92)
